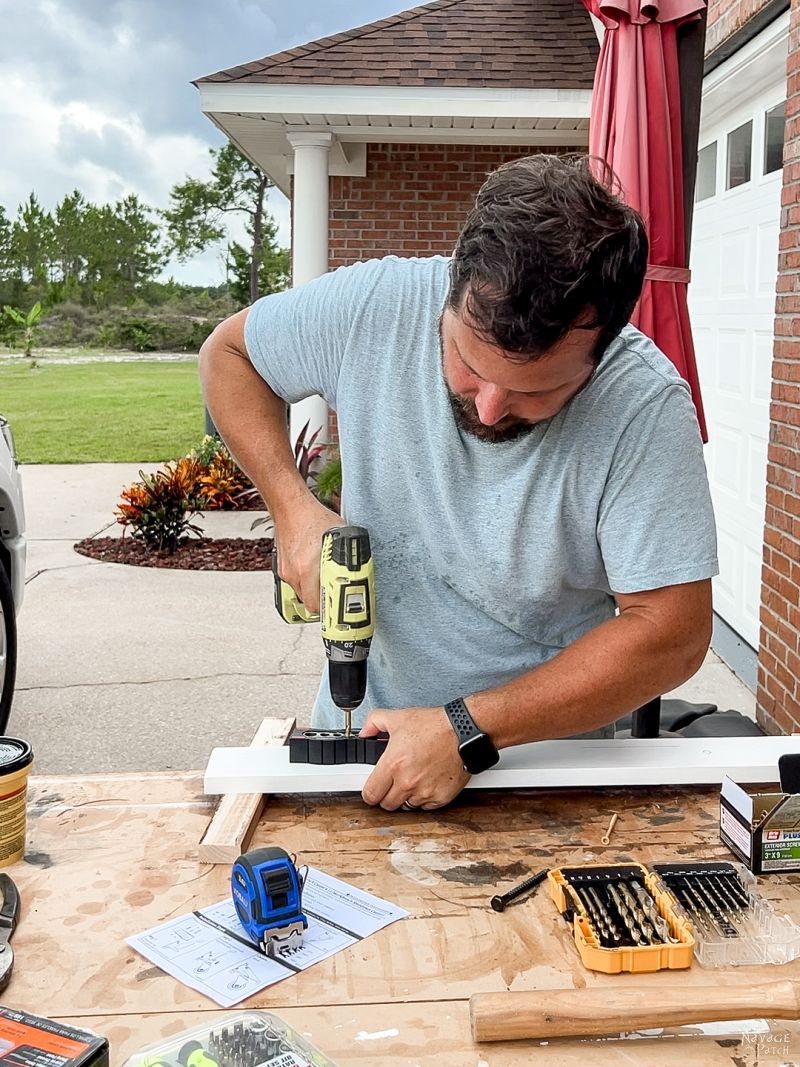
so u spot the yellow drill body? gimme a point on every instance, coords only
(347, 611)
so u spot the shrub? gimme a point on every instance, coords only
(222, 484)
(209, 447)
(329, 480)
(159, 508)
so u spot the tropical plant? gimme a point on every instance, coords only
(329, 480)
(27, 322)
(221, 483)
(306, 453)
(159, 508)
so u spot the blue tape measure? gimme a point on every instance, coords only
(267, 891)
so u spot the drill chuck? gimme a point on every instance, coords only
(348, 682)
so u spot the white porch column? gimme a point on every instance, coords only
(310, 251)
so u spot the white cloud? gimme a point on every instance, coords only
(97, 94)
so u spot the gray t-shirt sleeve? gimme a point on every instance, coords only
(296, 339)
(656, 521)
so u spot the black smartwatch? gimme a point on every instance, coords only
(476, 748)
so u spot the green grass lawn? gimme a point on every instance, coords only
(102, 412)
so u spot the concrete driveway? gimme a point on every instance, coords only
(131, 668)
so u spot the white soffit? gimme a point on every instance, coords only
(257, 118)
(758, 61)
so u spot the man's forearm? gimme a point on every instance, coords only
(607, 673)
(251, 420)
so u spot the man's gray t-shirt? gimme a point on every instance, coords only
(489, 558)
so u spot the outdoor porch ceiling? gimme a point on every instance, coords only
(260, 118)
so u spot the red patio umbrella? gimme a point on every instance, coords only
(636, 128)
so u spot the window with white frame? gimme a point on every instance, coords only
(740, 153)
(774, 123)
(706, 183)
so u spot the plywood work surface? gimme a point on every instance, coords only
(113, 855)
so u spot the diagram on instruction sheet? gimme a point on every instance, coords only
(210, 952)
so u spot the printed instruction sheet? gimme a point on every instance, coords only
(209, 949)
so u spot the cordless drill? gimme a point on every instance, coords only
(347, 611)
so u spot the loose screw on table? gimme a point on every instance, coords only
(606, 838)
(499, 902)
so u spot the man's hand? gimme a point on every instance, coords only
(421, 766)
(299, 539)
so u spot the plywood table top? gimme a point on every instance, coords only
(110, 856)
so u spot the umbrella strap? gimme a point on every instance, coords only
(657, 273)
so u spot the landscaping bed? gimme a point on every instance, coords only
(192, 554)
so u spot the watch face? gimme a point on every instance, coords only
(478, 754)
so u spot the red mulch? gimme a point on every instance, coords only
(193, 554)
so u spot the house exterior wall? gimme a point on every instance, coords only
(778, 696)
(725, 17)
(412, 202)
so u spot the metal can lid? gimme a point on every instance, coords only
(14, 755)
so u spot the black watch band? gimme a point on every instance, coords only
(477, 750)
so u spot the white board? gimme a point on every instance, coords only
(545, 764)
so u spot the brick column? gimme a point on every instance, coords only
(779, 652)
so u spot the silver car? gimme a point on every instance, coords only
(12, 566)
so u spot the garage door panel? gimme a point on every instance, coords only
(766, 258)
(726, 462)
(734, 260)
(761, 382)
(732, 308)
(751, 583)
(726, 584)
(757, 474)
(730, 364)
(705, 256)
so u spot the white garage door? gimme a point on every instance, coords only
(732, 304)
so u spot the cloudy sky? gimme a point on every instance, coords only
(97, 94)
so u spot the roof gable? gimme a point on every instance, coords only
(531, 44)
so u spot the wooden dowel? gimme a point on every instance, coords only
(550, 1013)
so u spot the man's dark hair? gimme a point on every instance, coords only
(548, 246)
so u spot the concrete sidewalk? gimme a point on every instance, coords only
(133, 668)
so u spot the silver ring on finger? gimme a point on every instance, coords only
(407, 806)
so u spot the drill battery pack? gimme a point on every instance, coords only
(328, 748)
(622, 918)
(30, 1041)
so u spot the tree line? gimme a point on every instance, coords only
(104, 255)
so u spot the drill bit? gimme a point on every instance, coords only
(597, 919)
(348, 722)
(613, 929)
(734, 884)
(638, 914)
(718, 909)
(624, 914)
(651, 911)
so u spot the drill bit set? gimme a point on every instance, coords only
(246, 1039)
(245, 1045)
(732, 925)
(620, 919)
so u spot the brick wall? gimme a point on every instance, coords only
(725, 17)
(412, 202)
(413, 199)
(778, 694)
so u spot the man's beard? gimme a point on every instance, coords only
(467, 419)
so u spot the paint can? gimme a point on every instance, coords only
(16, 758)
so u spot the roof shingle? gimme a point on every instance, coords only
(527, 44)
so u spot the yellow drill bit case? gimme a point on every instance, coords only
(566, 885)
